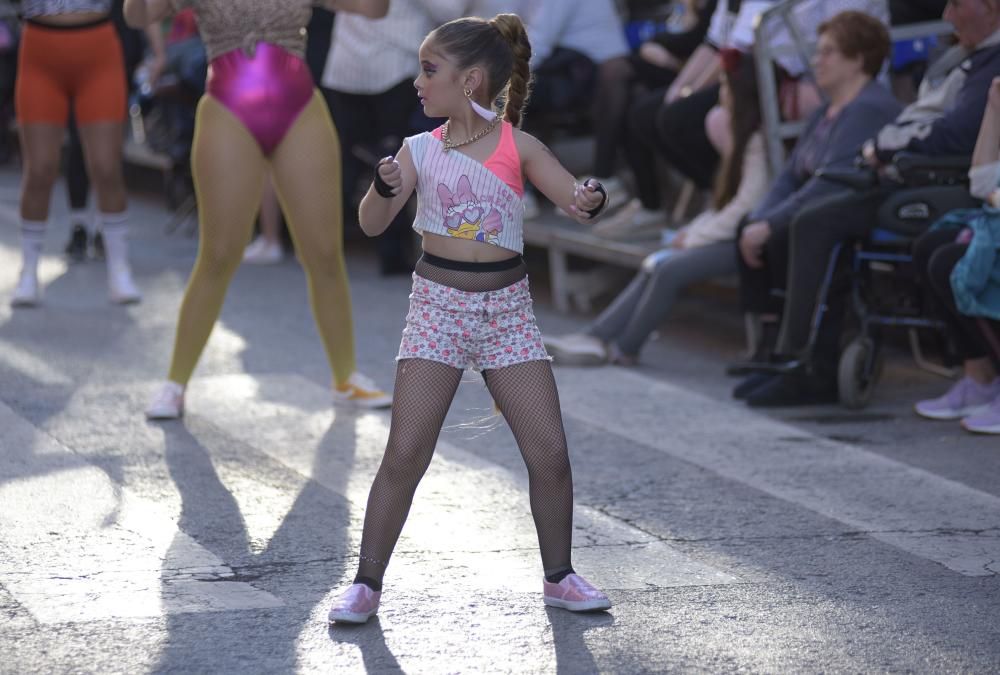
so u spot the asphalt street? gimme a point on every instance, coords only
(797, 540)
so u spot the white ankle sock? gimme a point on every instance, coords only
(114, 227)
(32, 241)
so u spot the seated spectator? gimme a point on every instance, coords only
(943, 121)
(956, 262)
(701, 250)
(670, 122)
(667, 50)
(653, 65)
(572, 41)
(851, 50)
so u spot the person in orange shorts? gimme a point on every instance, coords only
(70, 55)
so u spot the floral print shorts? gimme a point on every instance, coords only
(487, 330)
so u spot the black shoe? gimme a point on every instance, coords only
(751, 384)
(794, 389)
(97, 247)
(773, 363)
(76, 247)
(763, 353)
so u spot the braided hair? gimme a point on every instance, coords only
(500, 45)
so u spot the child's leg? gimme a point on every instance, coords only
(526, 395)
(306, 172)
(423, 393)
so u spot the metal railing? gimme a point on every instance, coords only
(777, 131)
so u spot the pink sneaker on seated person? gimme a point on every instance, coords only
(357, 604)
(575, 594)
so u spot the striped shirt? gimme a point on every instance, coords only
(459, 197)
(370, 56)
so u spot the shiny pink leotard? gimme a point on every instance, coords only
(266, 91)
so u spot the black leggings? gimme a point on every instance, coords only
(677, 132)
(934, 255)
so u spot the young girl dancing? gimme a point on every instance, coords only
(470, 303)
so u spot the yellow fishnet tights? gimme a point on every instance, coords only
(228, 169)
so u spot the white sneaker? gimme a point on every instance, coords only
(27, 293)
(262, 252)
(361, 391)
(121, 287)
(168, 404)
(632, 219)
(576, 349)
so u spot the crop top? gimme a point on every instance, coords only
(458, 196)
(226, 25)
(33, 8)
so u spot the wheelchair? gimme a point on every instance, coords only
(881, 282)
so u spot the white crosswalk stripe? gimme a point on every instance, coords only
(922, 513)
(78, 547)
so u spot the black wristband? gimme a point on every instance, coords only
(381, 187)
(596, 211)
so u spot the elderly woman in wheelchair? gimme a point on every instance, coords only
(906, 180)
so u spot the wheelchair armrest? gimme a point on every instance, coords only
(911, 210)
(914, 169)
(858, 179)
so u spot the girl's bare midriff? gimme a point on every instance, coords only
(463, 249)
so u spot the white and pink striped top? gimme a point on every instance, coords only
(458, 196)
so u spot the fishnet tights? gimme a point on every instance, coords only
(475, 282)
(527, 397)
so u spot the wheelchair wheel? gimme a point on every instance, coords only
(858, 372)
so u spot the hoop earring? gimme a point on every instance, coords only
(468, 93)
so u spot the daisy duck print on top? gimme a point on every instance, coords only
(468, 217)
(463, 198)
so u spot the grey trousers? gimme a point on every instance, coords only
(641, 307)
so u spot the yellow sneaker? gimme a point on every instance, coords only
(362, 392)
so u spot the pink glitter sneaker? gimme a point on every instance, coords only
(575, 594)
(357, 604)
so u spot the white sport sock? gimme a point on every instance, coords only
(32, 241)
(114, 227)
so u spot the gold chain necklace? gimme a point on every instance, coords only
(448, 145)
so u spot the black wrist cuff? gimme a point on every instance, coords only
(596, 211)
(381, 187)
